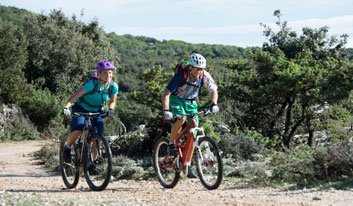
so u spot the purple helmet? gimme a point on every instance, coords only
(104, 65)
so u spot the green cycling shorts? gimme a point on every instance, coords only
(180, 107)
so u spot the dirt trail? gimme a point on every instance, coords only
(24, 182)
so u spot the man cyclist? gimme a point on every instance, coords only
(179, 97)
(91, 98)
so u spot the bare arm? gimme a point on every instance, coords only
(165, 99)
(214, 96)
(112, 102)
(74, 97)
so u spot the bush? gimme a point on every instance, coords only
(14, 125)
(18, 133)
(210, 131)
(335, 161)
(306, 164)
(129, 144)
(125, 168)
(133, 114)
(49, 154)
(241, 147)
(295, 166)
(41, 107)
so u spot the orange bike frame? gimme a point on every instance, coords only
(186, 148)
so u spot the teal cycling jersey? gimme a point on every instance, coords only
(95, 102)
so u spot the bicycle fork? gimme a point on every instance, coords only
(197, 145)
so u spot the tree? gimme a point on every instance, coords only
(283, 83)
(61, 51)
(13, 57)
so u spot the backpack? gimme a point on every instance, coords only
(94, 77)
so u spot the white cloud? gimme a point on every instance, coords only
(336, 24)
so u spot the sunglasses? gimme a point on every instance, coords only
(198, 69)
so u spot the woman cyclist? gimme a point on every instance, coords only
(91, 98)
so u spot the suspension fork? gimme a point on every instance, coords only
(196, 143)
(95, 146)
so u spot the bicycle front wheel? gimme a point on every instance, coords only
(165, 165)
(70, 171)
(98, 164)
(209, 163)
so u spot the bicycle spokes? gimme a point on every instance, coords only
(69, 170)
(209, 163)
(98, 167)
(165, 165)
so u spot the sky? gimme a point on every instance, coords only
(227, 22)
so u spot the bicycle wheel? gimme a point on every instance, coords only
(98, 164)
(209, 163)
(165, 165)
(70, 172)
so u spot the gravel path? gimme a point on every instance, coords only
(23, 181)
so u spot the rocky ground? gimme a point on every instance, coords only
(23, 181)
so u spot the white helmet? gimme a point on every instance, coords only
(197, 60)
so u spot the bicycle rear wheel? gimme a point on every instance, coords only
(165, 165)
(70, 171)
(98, 164)
(209, 163)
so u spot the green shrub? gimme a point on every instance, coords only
(210, 131)
(295, 166)
(49, 155)
(131, 143)
(18, 133)
(14, 125)
(41, 107)
(334, 161)
(241, 147)
(125, 168)
(310, 164)
(133, 114)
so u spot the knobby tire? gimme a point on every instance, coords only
(105, 156)
(168, 177)
(209, 163)
(70, 172)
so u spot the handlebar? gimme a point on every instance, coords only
(203, 112)
(89, 114)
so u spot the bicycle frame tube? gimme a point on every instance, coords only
(186, 148)
(83, 139)
(84, 136)
(88, 128)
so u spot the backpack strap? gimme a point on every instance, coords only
(110, 88)
(185, 77)
(94, 90)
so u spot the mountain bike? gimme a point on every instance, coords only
(91, 151)
(192, 142)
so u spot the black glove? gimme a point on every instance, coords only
(111, 113)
